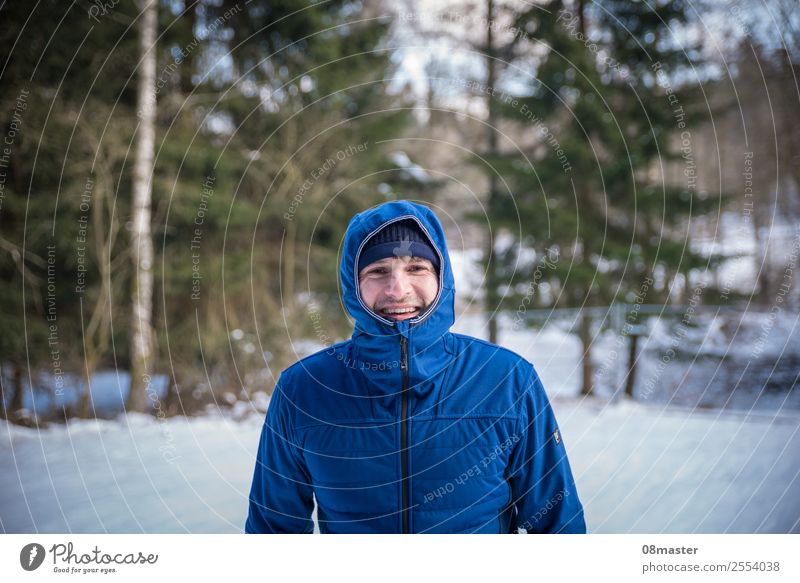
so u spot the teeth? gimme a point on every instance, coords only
(400, 310)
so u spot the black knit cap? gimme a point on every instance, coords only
(400, 239)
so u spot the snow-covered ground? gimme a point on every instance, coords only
(640, 466)
(638, 469)
(645, 469)
(135, 474)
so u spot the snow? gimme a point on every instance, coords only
(134, 474)
(638, 468)
(645, 469)
(702, 452)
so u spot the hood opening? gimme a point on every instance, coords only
(432, 307)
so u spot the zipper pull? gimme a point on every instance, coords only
(403, 353)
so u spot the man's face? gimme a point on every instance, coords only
(398, 288)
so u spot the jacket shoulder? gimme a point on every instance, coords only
(314, 364)
(489, 362)
(503, 379)
(478, 347)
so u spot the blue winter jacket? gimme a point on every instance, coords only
(409, 428)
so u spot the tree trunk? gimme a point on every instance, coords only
(141, 240)
(586, 341)
(16, 385)
(289, 268)
(85, 397)
(171, 398)
(491, 135)
(762, 259)
(630, 380)
(187, 65)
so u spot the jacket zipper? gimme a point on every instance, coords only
(404, 432)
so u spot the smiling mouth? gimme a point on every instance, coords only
(399, 312)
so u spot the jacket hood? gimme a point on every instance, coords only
(377, 339)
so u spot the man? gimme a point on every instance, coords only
(407, 427)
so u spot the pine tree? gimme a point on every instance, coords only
(608, 105)
(58, 66)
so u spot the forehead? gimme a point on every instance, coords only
(391, 261)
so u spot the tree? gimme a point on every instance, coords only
(504, 50)
(605, 108)
(57, 76)
(141, 237)
(299, 86)
(764, 109)
(315, 97)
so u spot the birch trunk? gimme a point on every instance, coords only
(492, 299)
(141, 239)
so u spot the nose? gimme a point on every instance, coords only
(398, 286)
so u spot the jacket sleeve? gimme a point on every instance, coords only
(281, 497)
(543, 488)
